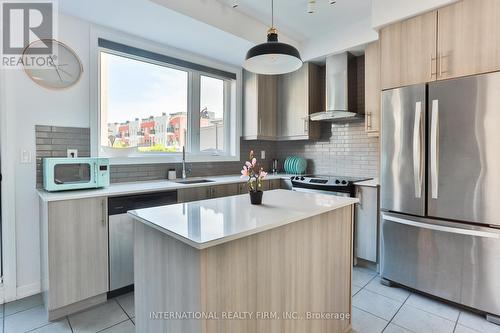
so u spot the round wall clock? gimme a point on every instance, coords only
(59, 70)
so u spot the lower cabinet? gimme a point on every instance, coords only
(206, 192)
(219, 191)
(366, 223)
(272, 184)
(74, 240)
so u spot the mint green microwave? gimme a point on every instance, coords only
(63, 174)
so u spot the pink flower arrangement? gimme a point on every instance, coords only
(254, 173)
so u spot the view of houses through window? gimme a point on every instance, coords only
(144, 107)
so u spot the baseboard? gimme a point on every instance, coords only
(28, 290)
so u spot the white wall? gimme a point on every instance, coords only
(28, 105)
(346, 38)
(385, 12)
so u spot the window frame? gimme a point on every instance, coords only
(232, 103)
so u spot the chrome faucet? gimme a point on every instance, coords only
(184, 162)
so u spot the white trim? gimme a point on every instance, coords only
(97, 32)
(172, 158)
(2, 294)
(8, 168)
(28, 290)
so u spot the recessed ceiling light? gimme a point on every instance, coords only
(235, 4)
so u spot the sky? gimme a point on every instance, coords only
(140, 89)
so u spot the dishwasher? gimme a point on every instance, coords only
(121, 236)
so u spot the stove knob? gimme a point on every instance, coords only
(337, 182)
(302, 178)
(292, 178)
(344, 182)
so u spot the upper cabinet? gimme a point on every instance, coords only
(259, 106)
(458, 40)
(277, 107)
(468, 38)
(372, 89)
(300, 93)
(408, 51)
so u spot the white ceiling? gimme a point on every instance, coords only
(212, 28)
(143, 18)
(292, 18)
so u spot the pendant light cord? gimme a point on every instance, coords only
(272, 13)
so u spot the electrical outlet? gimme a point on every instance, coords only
(72, 153)
(262, 154)
(25, 156)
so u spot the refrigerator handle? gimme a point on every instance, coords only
(435, 149)
(437, 227)
(417, 150)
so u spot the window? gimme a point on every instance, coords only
(211, 114)
(153, 105)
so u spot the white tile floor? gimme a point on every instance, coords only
(27, 315)
(376, 309)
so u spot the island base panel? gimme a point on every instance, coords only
(300, 268)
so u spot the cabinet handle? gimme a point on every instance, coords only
(260, 126)
(306, 125)
(360, 197)
(441, 71)
(208, 192)
(431, 69)
(368, 120)
(103, 211)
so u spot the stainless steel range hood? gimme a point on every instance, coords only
(341, 90)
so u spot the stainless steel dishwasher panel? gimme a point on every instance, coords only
(454, 261)
(121, 234)
(121, 251)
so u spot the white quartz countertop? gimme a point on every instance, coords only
(211, 222)
(144, 187)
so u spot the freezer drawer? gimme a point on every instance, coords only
(457, 262)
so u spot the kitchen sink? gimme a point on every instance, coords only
(194, 181)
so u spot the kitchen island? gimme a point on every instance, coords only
(226, 266)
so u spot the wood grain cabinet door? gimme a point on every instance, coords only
(372, 89)
(77, 250)
(408, 51)
(250, 105)
(194, 194)
(293, 103)
(267, 106)
(220, 191)
(469, 38)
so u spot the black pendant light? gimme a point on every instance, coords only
(273, 57)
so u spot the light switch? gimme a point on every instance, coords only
(262, 154)
(72, 153)
(25, 156)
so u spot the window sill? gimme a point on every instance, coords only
(174, 158)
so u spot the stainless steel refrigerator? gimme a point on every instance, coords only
(440, 190)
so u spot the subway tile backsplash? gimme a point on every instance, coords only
(54, 141)
(344, 149)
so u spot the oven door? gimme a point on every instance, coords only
(69, 174)
(307, 190)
